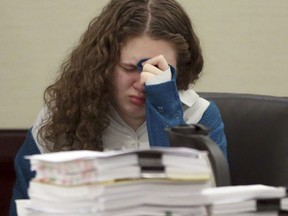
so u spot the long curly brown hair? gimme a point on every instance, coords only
(78, 101)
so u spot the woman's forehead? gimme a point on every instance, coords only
(145, 47)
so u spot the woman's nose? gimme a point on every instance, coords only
(137, 83)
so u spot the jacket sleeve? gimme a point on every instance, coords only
(213, 121)
(163, 109)
(23, 172)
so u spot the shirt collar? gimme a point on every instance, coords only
(188, 97)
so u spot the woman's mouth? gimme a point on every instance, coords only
(139, 101)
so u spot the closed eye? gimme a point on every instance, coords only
(128, 68)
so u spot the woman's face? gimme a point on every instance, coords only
(129, 95)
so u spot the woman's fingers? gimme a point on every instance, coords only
(151, 69)
(158, 61)
(155, 66)
(145, 76)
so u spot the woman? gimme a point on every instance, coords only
(129, 77)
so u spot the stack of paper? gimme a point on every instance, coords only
(159, 181)
(246, 200)
(284, 203)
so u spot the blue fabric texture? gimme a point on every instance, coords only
(213, 121)
(163, 109)
(23, 172)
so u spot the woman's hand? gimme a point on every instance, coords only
(155, 71)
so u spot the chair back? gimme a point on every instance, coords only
(256, 128)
